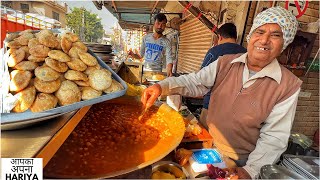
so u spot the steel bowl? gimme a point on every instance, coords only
(169, 167)
(278, 172)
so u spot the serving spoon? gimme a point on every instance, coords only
(142, 114)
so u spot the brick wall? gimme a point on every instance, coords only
(307, 113)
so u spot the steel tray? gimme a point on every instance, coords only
(278, 172)
(9, 120)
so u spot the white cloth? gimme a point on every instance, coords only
(284, 18)
(274, 134)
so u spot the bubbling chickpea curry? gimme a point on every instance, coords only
(110, 138)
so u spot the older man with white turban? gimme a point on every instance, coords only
(253, 99)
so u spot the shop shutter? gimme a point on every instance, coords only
(194, 41)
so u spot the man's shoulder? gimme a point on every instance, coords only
(233, 45)
(148, 35)
(165, 39)
(224, 45)
(227, 48)
(215, 48)
(230, 57)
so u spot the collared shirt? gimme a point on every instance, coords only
(275, 132)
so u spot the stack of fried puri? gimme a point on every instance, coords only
(48, 69)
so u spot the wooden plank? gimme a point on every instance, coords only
(312, 12)
(315, 49)
(315, 4)
(316, 43)
(313, 55)
(58, 139)
(307, 19)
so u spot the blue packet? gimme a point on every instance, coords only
(207, 156)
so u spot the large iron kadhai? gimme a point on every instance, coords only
(111, 141)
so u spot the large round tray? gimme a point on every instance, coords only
(157, 152)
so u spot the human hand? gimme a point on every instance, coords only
(242, 173)
(169, 69)
(150, 95)
(237, 173)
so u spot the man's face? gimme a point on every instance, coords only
(159, 26)
(264, 46)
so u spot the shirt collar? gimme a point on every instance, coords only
(272, 70)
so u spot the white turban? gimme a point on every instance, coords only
(284, 18)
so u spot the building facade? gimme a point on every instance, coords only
(52, 9)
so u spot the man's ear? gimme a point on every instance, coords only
(220, 37)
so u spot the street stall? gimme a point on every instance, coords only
(94, 126)
(44, 127)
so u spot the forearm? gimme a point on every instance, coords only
(193, 84)
(169, 69)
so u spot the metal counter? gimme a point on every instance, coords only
(26, 142)
(40, 140)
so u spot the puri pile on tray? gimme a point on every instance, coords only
(49, 69)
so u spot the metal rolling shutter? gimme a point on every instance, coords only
(195, 40)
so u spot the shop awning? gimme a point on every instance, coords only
(133, 14)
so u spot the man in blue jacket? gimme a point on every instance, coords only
(227, 38)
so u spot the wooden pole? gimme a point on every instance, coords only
(196, 12)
